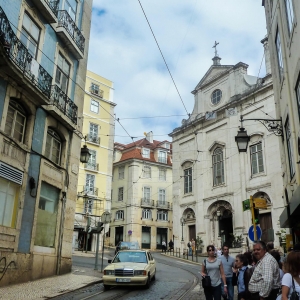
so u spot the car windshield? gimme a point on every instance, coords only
(130, 256)
(129, 245)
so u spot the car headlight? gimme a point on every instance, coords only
(109, 272)
(140, 273)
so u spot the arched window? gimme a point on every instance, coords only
(120, 215)
(216, 97)
(53, 146)
(218, 167)
(15, 121)
(146, 214)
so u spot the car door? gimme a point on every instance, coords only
(151, 263)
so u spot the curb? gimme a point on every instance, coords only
(182, 259)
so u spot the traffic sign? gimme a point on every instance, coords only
(260, 203)
(251, 233)
(246, 205)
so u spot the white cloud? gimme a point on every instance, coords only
(125, 51)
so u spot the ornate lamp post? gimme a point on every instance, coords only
(84, 153)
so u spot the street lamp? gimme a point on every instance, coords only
(84, 153)
(272, 125)
(182, 220)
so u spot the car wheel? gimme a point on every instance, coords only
(106, 287)
(148, 282)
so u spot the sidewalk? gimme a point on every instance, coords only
(53, 286)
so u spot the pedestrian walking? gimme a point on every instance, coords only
(228, 265)
(241, 264)
(171, 245)
(291, 280)
(189, 244)
(163, 246)
(213, 267)
(265, 280)
(193, 246)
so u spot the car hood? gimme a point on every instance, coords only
(127, 265)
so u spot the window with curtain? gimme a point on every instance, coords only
(256, 156)
(120, 215)
(146, 214)
(62, 73)
(147, 193)
(218, 167)
(162, 196)
(162, 215)
(53, 146)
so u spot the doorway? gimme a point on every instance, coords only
(118, 234)
(161, 235)
(226, 228)
(192, 232)
(265, 222)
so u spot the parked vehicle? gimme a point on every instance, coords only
(127, 246)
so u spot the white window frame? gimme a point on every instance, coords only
(256, 158)
(121, 194)
(162, 157)
(88, 206)
(162, 215)
(92, 163)
(290, 16)
(93, 133)
(95, 106)
(162, 174)
(147, 214)
(188, 180)
(147, 193)
(53, 139)
(61, 73)
(121, 172)
(13, 112)
(70, 9)
(90, 184)
(147, 172)
(146, 153)
(120, 215)
(216, 97)
(279, 54)
(162, 196)
(218, 167)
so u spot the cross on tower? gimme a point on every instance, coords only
(215, 46)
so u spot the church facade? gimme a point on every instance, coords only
(211, 178)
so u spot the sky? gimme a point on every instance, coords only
(122, 49)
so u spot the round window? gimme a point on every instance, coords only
(216, 97)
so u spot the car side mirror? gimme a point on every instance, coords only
(109, 261)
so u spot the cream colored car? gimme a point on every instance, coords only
(130, 267)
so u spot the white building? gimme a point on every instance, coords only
(215, 178)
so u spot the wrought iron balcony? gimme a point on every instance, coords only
(22, 59)
(96, 92)
(70, 34)
(163, 204)
(90, 191)
(93, 139)
(48, 8)
(147, 202)
(92, 166)
(64, 103)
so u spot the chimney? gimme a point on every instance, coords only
(149, 137)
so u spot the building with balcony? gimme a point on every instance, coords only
(142, 200)
(284, 41)
(211, 178)
(43, 61)
(95, 177)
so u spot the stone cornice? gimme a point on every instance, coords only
(218, 196)
(258, 187)
(188, 204)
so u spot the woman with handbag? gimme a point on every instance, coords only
(290, 280)
(212, 274)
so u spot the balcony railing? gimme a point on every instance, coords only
(21, 57)
(53, 5)
(147, 202)
(96, 92)
(64, 103)
(93, 139)
(90, 191)
(65, 21)
(92, 166)
(163, 204)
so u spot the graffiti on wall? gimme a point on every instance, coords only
(4, 266)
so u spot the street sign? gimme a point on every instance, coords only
(251, 233)
(260, 203)
(246, 204)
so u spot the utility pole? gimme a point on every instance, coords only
(87, 232)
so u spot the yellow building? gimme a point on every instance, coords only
(94, 182)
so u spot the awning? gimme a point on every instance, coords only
(291, 214)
